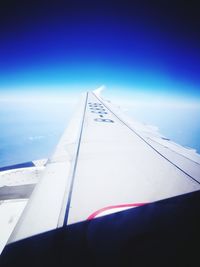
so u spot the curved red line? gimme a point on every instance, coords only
(94, 214)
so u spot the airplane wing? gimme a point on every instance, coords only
(103, 164)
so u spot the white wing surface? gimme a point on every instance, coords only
(105, 163)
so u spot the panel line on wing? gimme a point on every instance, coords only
(74, 164)
(121, 120)
(174, 151)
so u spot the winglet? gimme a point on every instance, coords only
(99, 90)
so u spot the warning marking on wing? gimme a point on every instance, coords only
(113, 209)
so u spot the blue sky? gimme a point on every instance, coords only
(145, 52)
(149, 46)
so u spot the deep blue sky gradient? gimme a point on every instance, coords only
(149, 45)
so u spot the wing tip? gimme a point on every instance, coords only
(99, 90)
